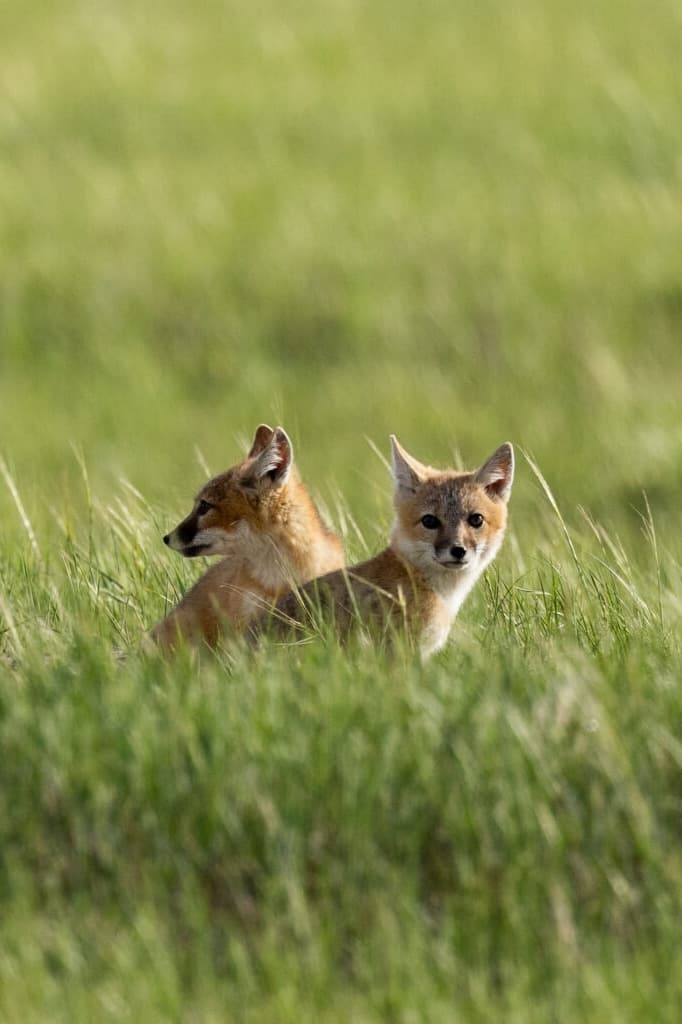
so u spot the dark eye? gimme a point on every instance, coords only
(203, 507)
(430, 522)
(475, 520)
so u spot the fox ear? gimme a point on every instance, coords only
(273, 464)
(261, 438)
(497, 474)
(408, 473)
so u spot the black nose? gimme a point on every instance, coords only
(458, 553)
(166, 539)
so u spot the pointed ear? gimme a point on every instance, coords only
(497, 474)
(408, 473)
(261, 438)
(273, 464)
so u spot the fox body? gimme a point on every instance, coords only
(261, 519)
(448, 527)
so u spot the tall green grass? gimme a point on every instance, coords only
(459, 223)
(318, 833)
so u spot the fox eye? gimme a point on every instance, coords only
(203, 507)
(430, 522)
(475, 520)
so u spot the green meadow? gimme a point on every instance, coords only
(461, 223)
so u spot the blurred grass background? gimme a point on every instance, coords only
(459, 223)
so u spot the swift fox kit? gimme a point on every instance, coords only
(260, 517)
(448, 527)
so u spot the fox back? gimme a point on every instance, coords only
(260, 518)
(448, 527)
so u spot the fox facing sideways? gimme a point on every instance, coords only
(448, 527)
(261, 519)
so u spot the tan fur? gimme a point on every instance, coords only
(260, 517)
(416, 584)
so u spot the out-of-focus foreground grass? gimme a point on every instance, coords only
(460, 223)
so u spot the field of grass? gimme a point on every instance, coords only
(461, 223)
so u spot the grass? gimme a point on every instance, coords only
(315, 833)
(457, 223)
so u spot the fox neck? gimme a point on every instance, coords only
(290, 518)
(281, 548)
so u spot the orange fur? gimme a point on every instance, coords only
(260, 517)
(419, 582)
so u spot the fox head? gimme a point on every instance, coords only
(449, 522)
(248, 495)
